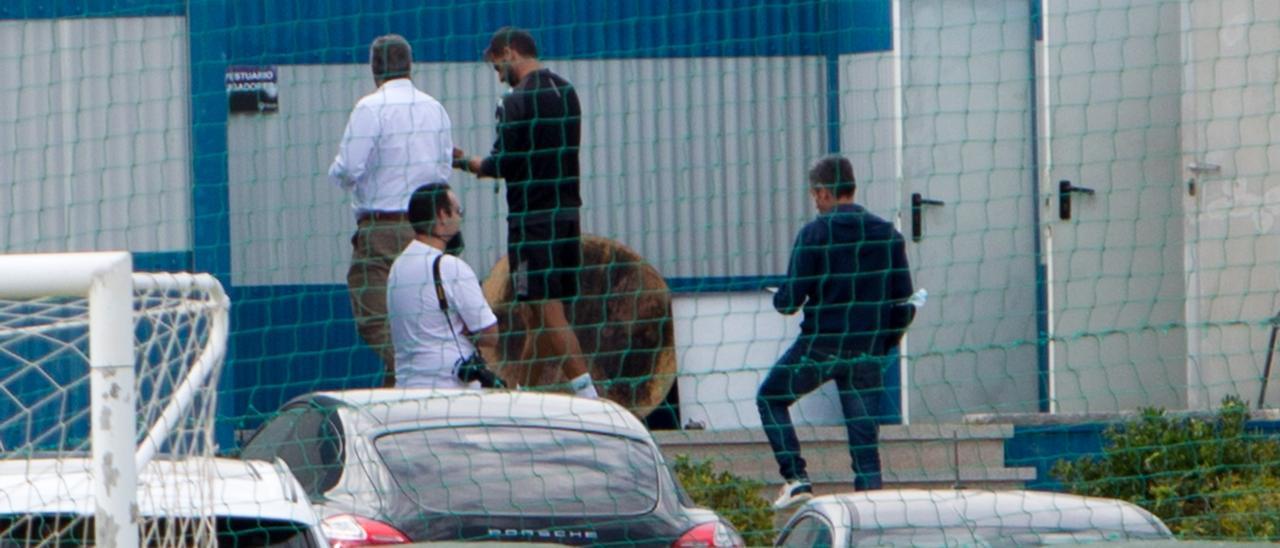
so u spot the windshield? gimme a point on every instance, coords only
(522, 470)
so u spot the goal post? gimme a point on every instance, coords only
(151, 345)
(105, 279)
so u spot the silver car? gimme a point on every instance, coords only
(960, 517)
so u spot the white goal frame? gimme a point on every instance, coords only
(106, 279)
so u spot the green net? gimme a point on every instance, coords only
(1084, 191)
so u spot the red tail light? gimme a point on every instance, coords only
(349, 530)
(713, 534)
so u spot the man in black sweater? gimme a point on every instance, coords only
(849, 273)
(536, 152)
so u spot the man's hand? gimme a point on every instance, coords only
(460, 159)
(466, 163)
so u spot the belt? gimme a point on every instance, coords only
(382, 216)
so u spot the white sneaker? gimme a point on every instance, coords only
(793, 493)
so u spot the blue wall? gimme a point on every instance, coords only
(293, 339)
(287, 340)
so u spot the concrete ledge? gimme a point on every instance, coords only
(965, 475)
(1073, 419)
(945, 432)
(744, 436)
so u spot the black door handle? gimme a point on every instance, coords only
(1065, 188)
(917, 224)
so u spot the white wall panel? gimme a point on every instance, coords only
(698, 164)
(866, 131)
(95, 134)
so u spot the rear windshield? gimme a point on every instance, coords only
(521, 470)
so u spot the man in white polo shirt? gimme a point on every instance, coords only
(397, 139)
(433, 341)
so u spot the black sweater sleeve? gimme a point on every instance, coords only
(509, 158)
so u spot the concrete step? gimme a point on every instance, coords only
(931, 448)
(921, 455)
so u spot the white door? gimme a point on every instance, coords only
(1112, 92)
(967, 143)
(1232, 195)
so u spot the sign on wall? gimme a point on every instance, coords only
(252, 89)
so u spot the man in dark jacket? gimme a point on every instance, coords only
(536, 152)
(849, 273)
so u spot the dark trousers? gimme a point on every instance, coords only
(802, 370)
(374, 248)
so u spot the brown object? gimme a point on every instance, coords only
(622, 317)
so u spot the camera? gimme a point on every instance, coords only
(475, 368)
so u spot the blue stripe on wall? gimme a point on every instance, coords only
(1043, 446)
(162, 261)
(211, 225)
(1037, 24)
(289, 340)
(722, 284)
(57, 9)
(210, 202)
(339, 31)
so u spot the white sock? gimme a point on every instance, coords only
(583, 386)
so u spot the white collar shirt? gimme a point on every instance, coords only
(397, 139)
(426, 347)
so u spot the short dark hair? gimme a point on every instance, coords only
(515, 38)
(390, 57)
(835, 173)
(426, 204)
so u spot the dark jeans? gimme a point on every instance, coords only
(802, 370)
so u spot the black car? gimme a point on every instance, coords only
(392, 466)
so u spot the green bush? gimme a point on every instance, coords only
(734, 498)
(1206, 478)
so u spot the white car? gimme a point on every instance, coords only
(960, 517)
(253, 503)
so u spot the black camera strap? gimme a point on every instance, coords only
(487, 378)
(440, 296)
(444, 301)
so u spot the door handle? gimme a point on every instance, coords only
(917, 224)
(1199, 169)
(1065, 189)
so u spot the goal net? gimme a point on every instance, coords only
(61, 381)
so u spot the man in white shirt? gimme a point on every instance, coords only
(431, 341)
(397, 139)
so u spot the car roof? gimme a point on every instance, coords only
(390, 408)
(187, 487)
(922, 508)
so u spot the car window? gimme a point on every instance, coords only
(308, 439)
(230, 532)
(522, 470)
(682, 494)
(260, 533)
(808, 531)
